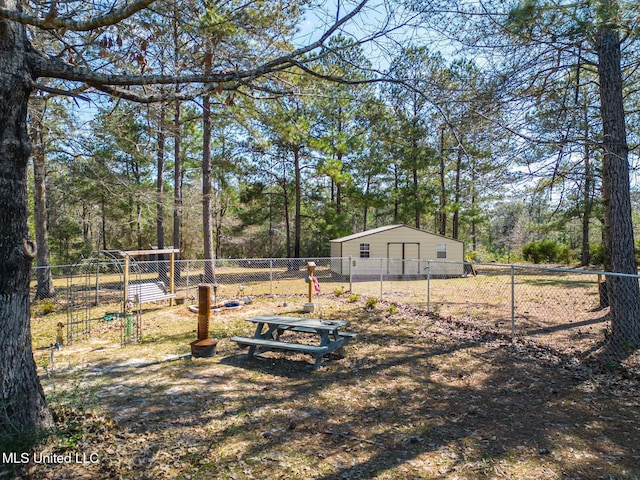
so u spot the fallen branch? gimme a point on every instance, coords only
(350, 437)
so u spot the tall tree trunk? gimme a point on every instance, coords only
(416, 160)
(23, 407)
(442, 227)
(442, 224)
(474, 217)
(587, 198)
(219, 214)
(287, 220)
(220, 203)
(396, 194)
(285, 200)
(103, 223)
(139, 225)
(132, 220)
(207, 227)
(416, 198)
(177, 179)
(161, 144)
(85, 223)
(45, 287)
(366, 205)
(339, 188)
(586, 212)
(160, 177)
(333, 190)
(624, 294)
(177, 157)
(270, 225)
(298, 199)
(455, 221)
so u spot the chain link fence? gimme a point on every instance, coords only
(568, 309)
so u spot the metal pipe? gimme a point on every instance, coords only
(271, 277)
(513, 301)
(188, 279)
(428, 286)
(381, 276)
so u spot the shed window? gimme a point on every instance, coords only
(365, 250)
(441, 250)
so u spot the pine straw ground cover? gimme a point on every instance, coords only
(417, 396)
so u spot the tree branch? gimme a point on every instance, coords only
(51, 67)
(141, 97)
(57, 91)
(52, 21)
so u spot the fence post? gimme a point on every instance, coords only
(381, 265)
(428, 286)
(97, 283)
(350, 273)
(513, 301)
(186, 295)
(271, 277)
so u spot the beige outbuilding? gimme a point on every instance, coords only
(397, 250)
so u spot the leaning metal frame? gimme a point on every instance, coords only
(83, 295)
(131, 316)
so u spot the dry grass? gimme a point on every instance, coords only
(417, 396)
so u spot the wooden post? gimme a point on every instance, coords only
(132, 253)
(204, 346)
(204, 311)
(310, 306)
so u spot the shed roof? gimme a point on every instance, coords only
(373, 231)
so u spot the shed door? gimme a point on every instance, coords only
(411, 258)
(403, 258)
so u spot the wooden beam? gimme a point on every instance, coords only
(133, 253)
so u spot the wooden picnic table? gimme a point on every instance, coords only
(269, 328)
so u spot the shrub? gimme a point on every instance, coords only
(371, 303)
(546, 251)
(338, 291)
(46, 306)
(354, 297)
(597, 254)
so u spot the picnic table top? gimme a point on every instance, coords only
(314, 323)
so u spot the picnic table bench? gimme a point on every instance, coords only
(148, 292)
(269, 328)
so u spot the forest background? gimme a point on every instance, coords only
(457, 141)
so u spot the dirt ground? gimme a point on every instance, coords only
(416, 397)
